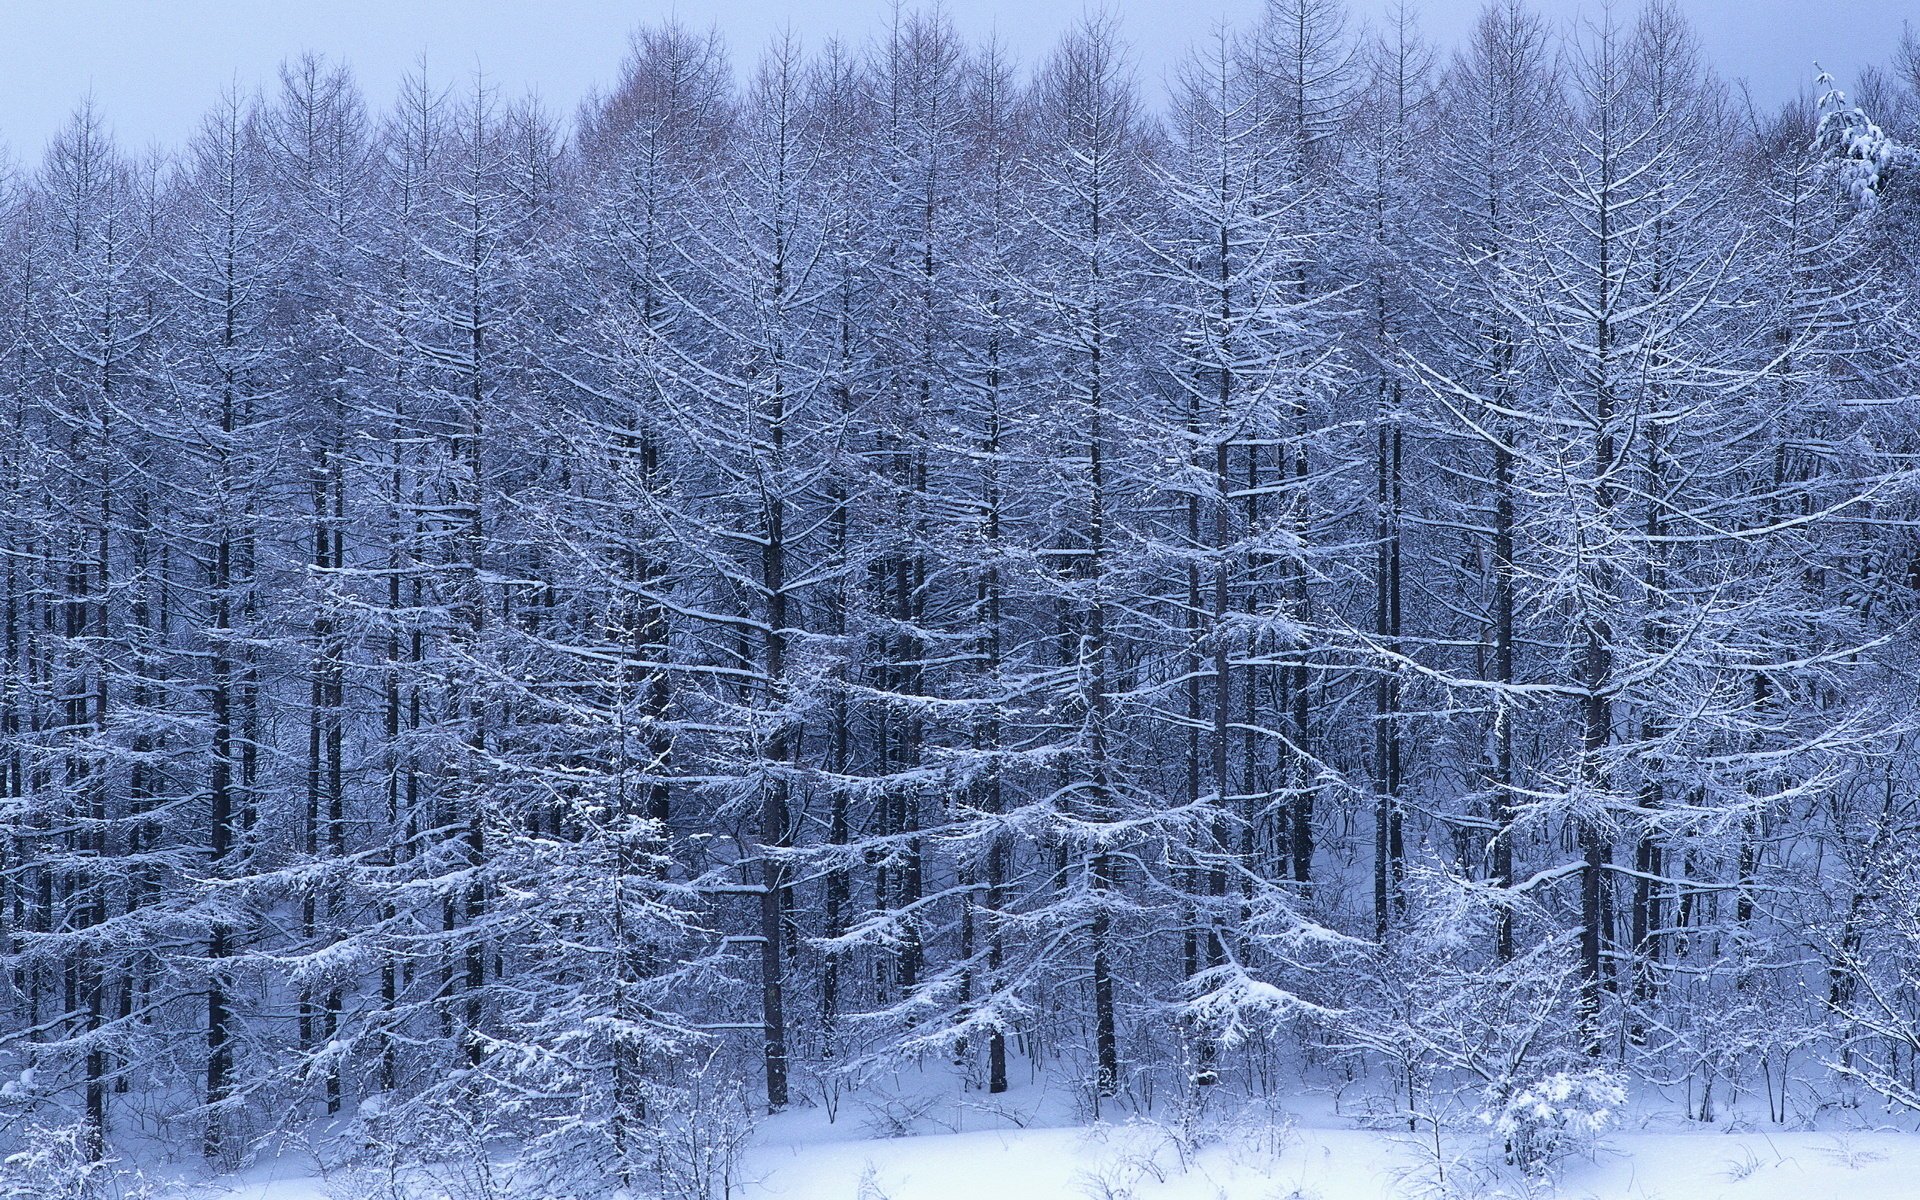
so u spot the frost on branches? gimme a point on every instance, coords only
(528, 644)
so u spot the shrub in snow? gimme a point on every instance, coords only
(697, 1148)
(891, 1114)
(59, 1164)
(1558, 1115)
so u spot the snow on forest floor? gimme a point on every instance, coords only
(1312, 1158)
(1028, 1150)
(1328, 1164)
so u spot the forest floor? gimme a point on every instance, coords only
(1308, 1156)
(906, 1146)
(1333, 1164)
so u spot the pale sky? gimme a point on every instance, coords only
(153, 66)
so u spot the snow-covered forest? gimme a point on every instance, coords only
(1374, 567)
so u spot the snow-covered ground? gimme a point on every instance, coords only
(1307, 1158)
(1026, 1149)
(1325, 1164)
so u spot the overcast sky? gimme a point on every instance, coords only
(154, 66)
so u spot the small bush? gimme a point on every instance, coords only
(1557, 1116)
(57, 1165)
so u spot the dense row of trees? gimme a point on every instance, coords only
(1388, 564)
